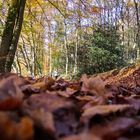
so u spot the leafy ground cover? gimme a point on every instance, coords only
(99, 107)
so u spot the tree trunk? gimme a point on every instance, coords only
(138, 24)
(8, 33)
(16, 34)
(76, 51)
(66, 48)
(78, 37)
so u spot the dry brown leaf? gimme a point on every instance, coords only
(50, 101)
(103, 110)
(52, 113)
(43, 119)
(67, 93)
(83, 136)
(10, 104)
(115, 129)
(43, 85)
(11, 130)
(25, 129)
(38, 86)
(94, 86)
(10, 94)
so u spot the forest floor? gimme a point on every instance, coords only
(99, 107)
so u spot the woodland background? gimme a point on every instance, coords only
(70, 37)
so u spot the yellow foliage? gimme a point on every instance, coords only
(130, 4)
(34, 3)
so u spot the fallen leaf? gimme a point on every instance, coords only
(103, 110)
(11, 97)
(12, 130)
(83, 136)
(94, 86)
(115, 128)
(52, 113)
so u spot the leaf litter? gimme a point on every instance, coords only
(99, 107)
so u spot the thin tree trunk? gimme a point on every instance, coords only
(125, 56)
(76, 51)
(128, 33)
(66, 48)
(138, 24)
(18, 63)
(78, 37)
(50, 49)
(33, 51)
(50, 60)
(25, 55)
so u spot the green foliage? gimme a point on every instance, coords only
(102, 52)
